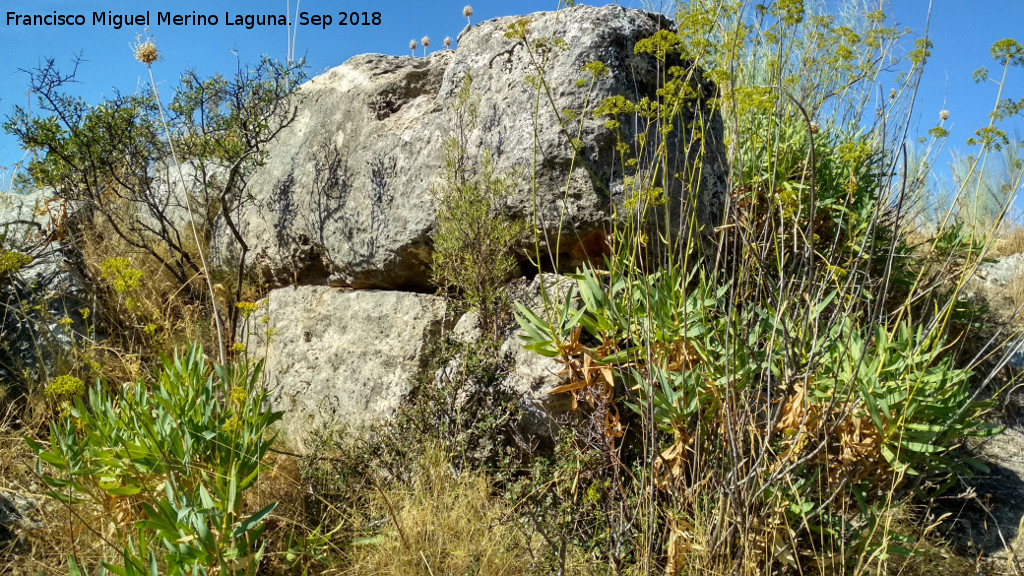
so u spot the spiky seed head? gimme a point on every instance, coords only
(413, 45)
(447, 42)
(815, 127)
(145, 50)
(467, 11)
(944, 115)
(425, 41)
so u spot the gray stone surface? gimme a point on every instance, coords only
(23, 218)
(345, 195)
(33, 342)
(999, 284)
(530, 377)
(996, 280)
(340, 358)
(17, 514)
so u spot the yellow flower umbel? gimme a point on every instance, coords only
(246, 308)
(64, 387)
(238, 395)
(233, 425)
(123, 277)
(11, 262)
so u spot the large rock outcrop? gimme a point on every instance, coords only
(345, 196)
(339, 358)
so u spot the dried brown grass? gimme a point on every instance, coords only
(157, 317)
(1008, 241)
(43, 550)
(441, 525)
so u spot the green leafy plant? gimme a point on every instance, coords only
(172, 464)
(919, 404)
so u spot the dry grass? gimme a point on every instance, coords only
(1009, 241)
(445, 525)
(44, 550)
(156, 317)
(282, 483)
(1015, 292)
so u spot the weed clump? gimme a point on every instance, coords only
(165, 469)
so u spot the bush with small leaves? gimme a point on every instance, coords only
(474, 242)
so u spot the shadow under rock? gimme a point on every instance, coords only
(986, 520)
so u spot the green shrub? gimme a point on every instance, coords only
(838, 419)
(168, 467)
(474, 242)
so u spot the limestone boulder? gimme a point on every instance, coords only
(346, 196)
(998, 282)
(338, 358)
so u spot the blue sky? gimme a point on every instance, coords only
(962, 33)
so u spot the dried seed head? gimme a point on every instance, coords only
(944, 115)
(815, 127)
(425, 41)
(467, 11)
(145, 50)
(413, 45)
(447, 42)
